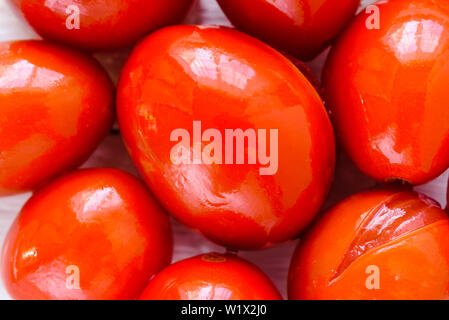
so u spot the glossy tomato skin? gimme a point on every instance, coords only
(103, 25)
(211, 276)
(100, 225)
(303, 28)
(397, 238)
(229, 81)
(387, 91)
(56, 105)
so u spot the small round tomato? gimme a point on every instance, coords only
(387, 90)
(384, 244)
(99, 24)
(303, 28)
(56, 105)
(92, 234)
(228, 134)
(211, 276)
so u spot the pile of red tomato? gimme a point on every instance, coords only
(185, 97)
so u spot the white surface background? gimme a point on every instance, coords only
(111, 153)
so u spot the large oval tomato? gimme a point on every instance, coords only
(211, 277)
(387, 90)
(303, 28)
(386, 244)
(228, 134)
(93, 234)
(55, 108)
(99, 24)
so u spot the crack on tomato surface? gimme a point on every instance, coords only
(400, 214)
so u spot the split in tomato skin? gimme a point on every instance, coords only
(228, 81)
(92, 234)
(56, 106)
(211, 276)
(303, 28)
(103, 25)
(387, 91)
(383, 244)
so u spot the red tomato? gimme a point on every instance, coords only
(198, 84)
(99, 24)
(387, 90)
(211, 277)
(303, 28)
(93, 234)
(55, 108)
(387, 244)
